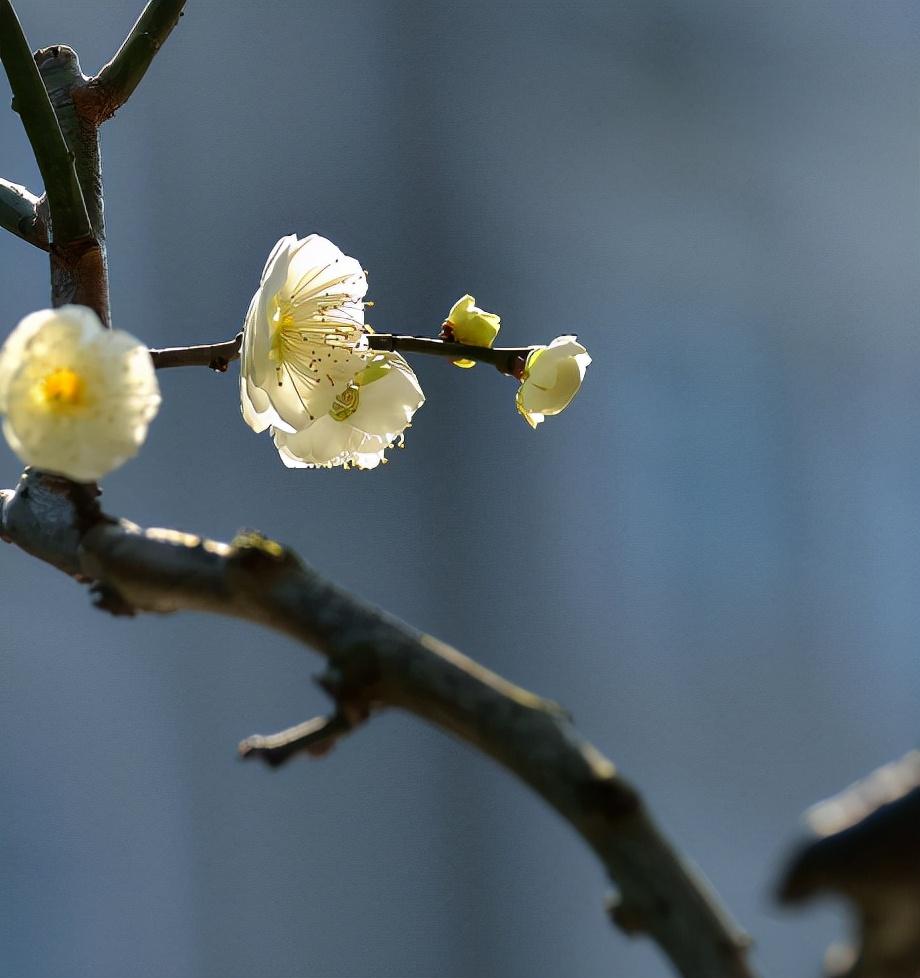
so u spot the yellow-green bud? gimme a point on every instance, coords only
(471, 325)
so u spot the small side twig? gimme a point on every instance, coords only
(20, 214)
(113, 86)
(217, 356)
(315, 737)
(69, 218)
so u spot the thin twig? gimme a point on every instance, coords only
(376, 661)
(69, 221)
(316, 737)
(508, 360)
(20, 215)
(217, 356)
(116, 81)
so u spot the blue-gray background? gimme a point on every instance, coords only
(711, 558)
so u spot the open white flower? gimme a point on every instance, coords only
(367, 417)
(305, 322)
(551, 378)
(77, 398)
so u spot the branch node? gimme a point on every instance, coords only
(107, 598)
(253, 551)
(627, 916)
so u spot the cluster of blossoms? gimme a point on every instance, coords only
(77, 398)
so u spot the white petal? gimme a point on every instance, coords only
(386, 406)
(107, 424)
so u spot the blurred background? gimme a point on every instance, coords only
(711, 558)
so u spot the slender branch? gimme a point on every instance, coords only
(508, 360)
(376, 661)
(69, 219)
(116, 81)
(217, 356)
(19, 214)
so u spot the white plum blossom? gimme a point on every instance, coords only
(307, 372)
(551, 378)
(367, 417)
(77, 398)
(304, 324)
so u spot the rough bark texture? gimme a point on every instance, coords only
(376, 661)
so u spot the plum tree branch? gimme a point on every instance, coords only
(507, 360)
(117, 80)
(55, 160)
(375, 661)
(20, 214)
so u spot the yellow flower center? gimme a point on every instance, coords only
(61, 391)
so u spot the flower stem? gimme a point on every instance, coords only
(507, 360)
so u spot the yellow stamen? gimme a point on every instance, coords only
(61, 390)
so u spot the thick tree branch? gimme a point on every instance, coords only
(116, 81)
(376, 661)
(508, 360)
(69, 218)
(866, 847)
(19, 214)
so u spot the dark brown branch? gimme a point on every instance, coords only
(376, 661)
(79, 268)
(69, 218)
(20, 214)
(507, 360)
(217, 356)
(867, 849)
(116, 81)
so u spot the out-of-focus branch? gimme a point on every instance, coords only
(507, 360)
(69, 218)
(376, 661)
(19, 214)
(116, 81)
(315, 737)
(867, 849)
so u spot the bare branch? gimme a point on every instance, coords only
(507, 360)
(116, 81)
(19, 214)
(217, 356)
(317, 737)
(69, 219)
(867, 848)
(376, 661)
